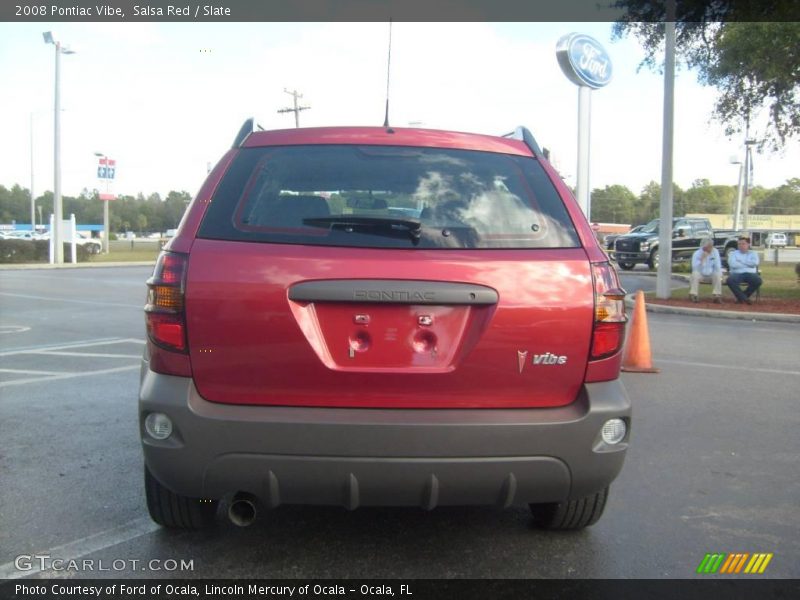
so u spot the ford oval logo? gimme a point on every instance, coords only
(583, 60)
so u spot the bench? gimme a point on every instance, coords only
(743, 285)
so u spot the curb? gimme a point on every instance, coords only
(718, 314)
(705, 312)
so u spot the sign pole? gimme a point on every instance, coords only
(584, 127)
(586, 64)
(106, 169)
(106, 231)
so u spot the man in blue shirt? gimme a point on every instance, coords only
(743, 267)
(706, 264)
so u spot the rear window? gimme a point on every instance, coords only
(388, 197)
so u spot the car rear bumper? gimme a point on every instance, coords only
(374, 457)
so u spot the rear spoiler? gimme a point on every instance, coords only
(249, 127)
(524, 135)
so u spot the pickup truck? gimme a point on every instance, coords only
(642, 246)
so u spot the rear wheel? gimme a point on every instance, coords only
(570, 515)
(626, 266)
(173, 510)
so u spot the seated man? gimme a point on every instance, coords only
(706, 264)
(743, 267)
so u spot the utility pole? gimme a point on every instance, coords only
(748, 175)
(296, 110)
(664, 271)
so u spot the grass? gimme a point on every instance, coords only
(135, 255)
(780, 282)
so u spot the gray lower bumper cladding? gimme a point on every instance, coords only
(382, 457)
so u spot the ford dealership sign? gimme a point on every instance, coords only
(583, 60)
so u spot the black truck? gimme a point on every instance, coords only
(642, 246)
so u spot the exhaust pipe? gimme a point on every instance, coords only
(242, 509)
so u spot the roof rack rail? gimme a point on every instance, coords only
(522, 134)
(249, 127)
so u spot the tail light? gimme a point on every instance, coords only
(164, 314)
(608, 334)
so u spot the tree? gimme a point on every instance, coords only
(648, 205)
(749, 51)
(613, 204)
(784, 200)
(15, 205)
(703, 197)
(174, 206)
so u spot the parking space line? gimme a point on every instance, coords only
(72, 301)
(87, 354)
(67, 376)
(31, 372)
(67, 346)
(690, 363)
(13, 329)
(84, 546)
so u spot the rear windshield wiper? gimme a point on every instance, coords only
(413, 226)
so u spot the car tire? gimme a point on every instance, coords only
(626, 266)
(652, 262)
(172, 510)
(570, 515)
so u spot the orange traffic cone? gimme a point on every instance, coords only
(637, 357)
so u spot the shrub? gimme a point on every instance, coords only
(35, 251)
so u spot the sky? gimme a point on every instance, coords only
(166, 99)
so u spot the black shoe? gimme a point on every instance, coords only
(748, 301)
(693, 298)
(717, 300)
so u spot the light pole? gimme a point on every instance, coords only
(33, 201)
(55, 235)
(106, 226)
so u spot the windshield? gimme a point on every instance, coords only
(651, 227)
(387, 196)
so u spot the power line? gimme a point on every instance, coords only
(296, 110)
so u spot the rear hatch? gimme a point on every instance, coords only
(522, 341)
(355, 276)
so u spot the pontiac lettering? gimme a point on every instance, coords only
(393, 296)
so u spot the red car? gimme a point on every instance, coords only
(382, 316)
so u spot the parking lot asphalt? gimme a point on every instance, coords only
(714, 464)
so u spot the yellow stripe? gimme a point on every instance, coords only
(766, 562)
(755, 563)
(741, 562)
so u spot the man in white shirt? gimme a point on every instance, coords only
(706, 264)
(743, 267)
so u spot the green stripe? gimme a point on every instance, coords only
(715, 567)
(702, 567)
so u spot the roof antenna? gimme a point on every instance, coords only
(388, 72)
